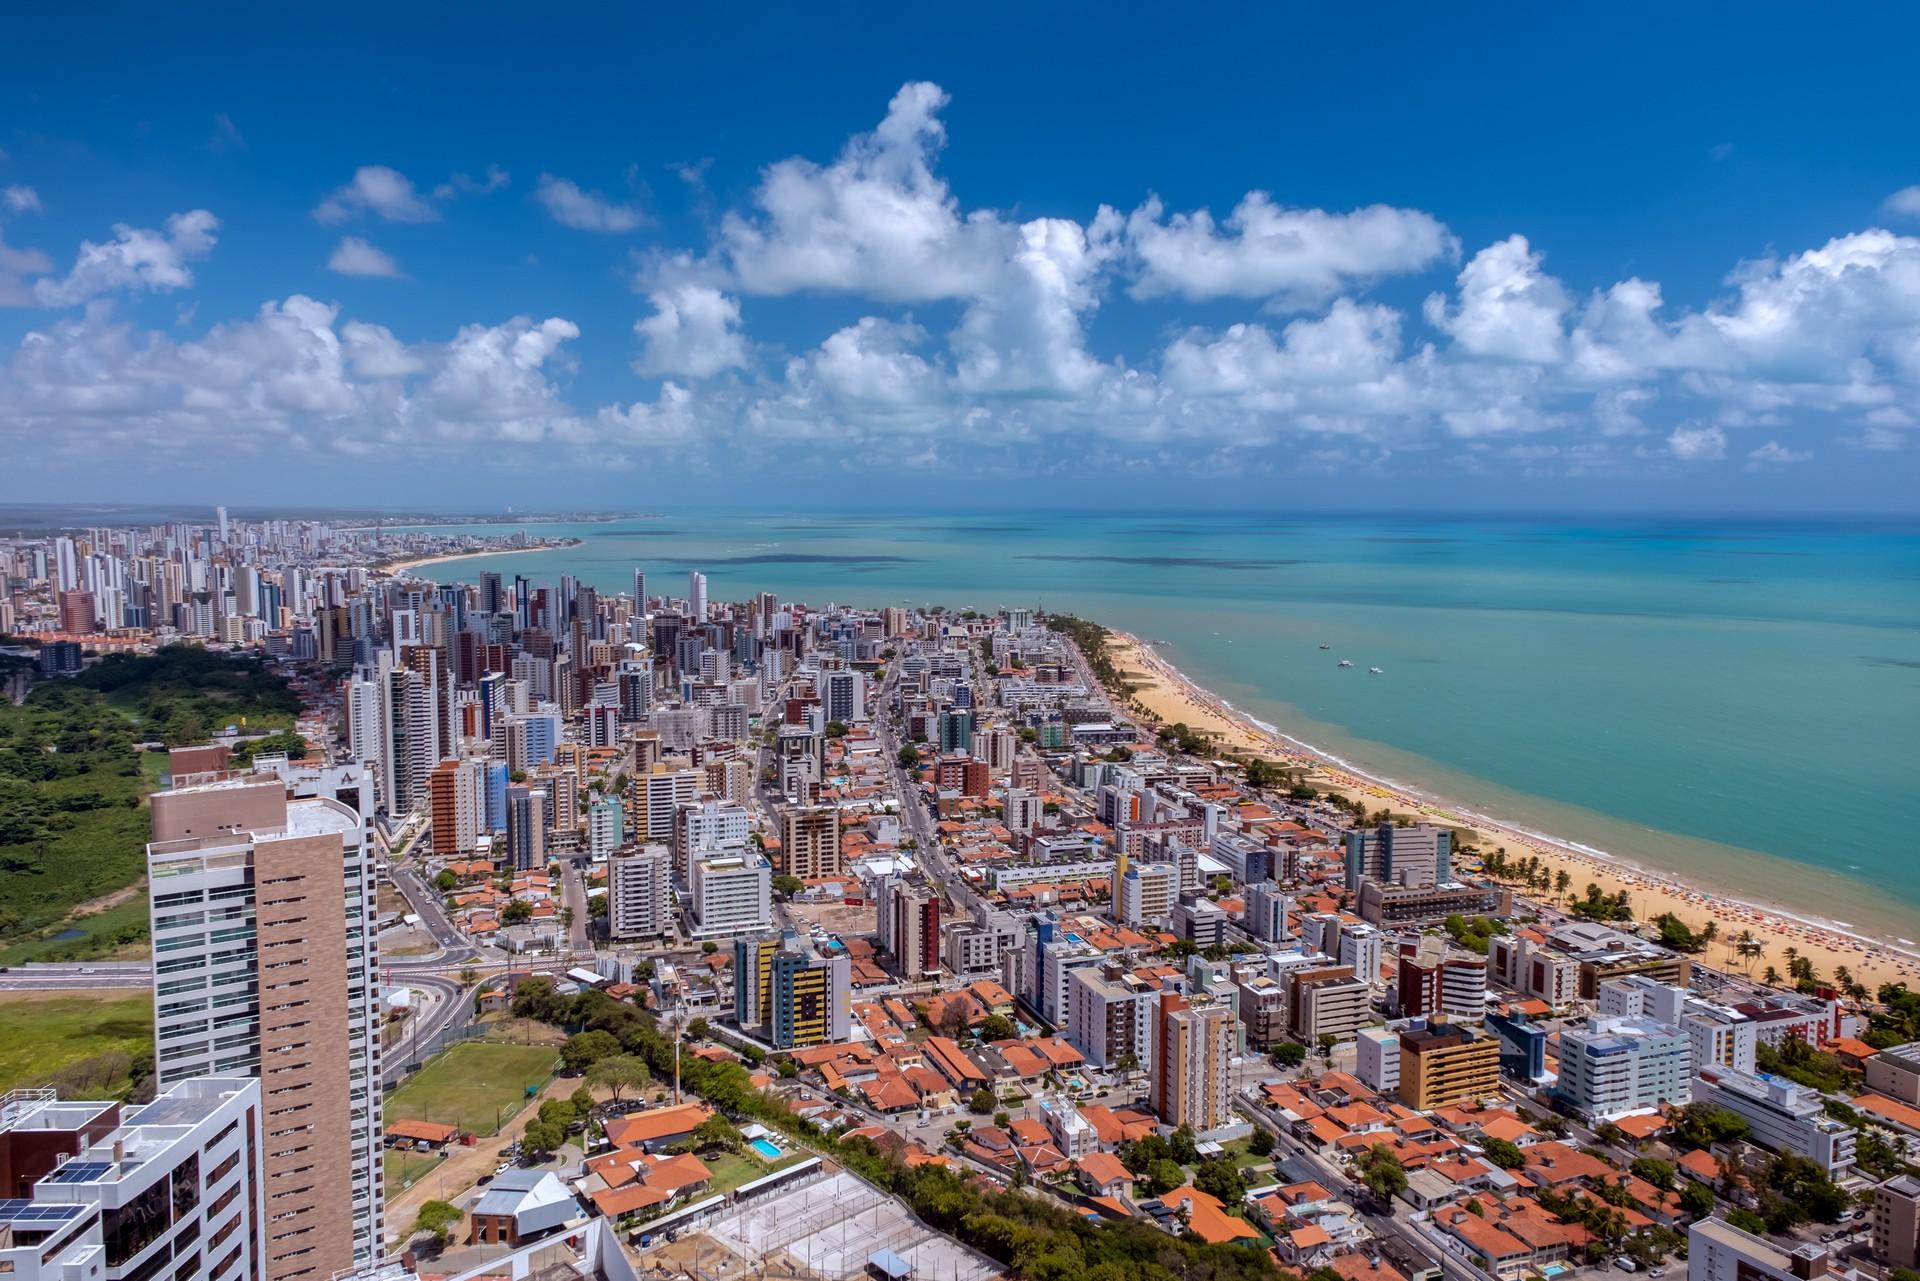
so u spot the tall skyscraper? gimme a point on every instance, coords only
(458, 805)
(526, 827)
(266, 964)
(639, 893)
(697, 598)
(639, 591)
(845, 696)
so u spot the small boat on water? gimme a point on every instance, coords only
(1346, 662)
(1376, 671)
(1324, 645)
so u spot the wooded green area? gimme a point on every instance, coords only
(73, 825)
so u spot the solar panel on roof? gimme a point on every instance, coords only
(19, 1210)
(80, 1172)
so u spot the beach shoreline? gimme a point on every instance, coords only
(418, 562)
(1170, 696)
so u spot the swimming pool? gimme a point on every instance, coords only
(766, 1148)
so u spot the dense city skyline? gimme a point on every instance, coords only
(1187, 278)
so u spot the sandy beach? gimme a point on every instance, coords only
(1169, 697)
(401, 566)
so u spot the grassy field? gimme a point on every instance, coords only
(475, 1085)
(84, 1042)
(731, 1169)
(404, 1168)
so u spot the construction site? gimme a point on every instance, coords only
(833, 1227)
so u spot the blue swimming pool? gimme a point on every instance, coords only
(766, 1148)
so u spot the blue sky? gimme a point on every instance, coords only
(601, 257)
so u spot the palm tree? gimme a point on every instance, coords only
(1844, 975)
(1771, 978)
(1561, 880)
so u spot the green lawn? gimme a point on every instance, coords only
(475, 1085)
(731, 1169)
(83, 1043)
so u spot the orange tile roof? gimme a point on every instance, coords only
(430, 1131)
(1889, 1109)
(1104, 1168)
(659, 1123)
(1207, 1218)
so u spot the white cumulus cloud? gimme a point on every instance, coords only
(1508, 309)
(1298, 257)
(136, 258)
(1905, 201)
(877, 221)
(1775, 454)
(584, 210)
(1697, 444)
(356, 257)
(379, 191)
(694, 332)
(21, 200)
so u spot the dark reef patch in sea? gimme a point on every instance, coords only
(1881, 660)
(800, 558)
(1175, 562)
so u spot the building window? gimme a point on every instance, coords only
(134, 1226)
(186, 1186)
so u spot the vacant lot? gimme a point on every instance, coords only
(475, 1085)
(84, 1041)
(407, 1168)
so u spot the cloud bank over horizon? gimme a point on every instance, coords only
(964, 340)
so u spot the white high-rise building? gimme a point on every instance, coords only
(369, 733)
(1110, 1016)
(708, 827)
(697, 598)
(1610, 1067)
(639, 893)
(1144, 893)
(657, 798)
(1781, 1116)
(1268, 908)
(266, 964)
(606, 828)
(175, 1190)
(732, 894)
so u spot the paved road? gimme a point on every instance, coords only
(573, 897)
(85, 974)
(913, 806)
(426, 903)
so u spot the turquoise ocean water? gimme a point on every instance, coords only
(1737, 701)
